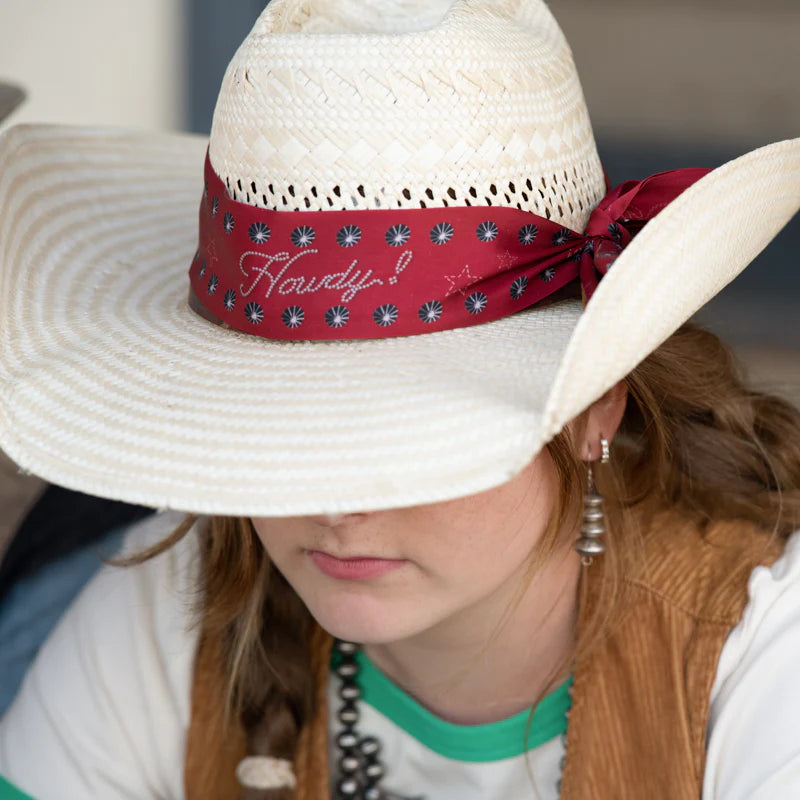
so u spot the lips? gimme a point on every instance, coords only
(357, 568)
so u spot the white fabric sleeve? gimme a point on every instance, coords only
(753, 748)
(104, 709)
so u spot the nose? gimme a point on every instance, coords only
(333, 520)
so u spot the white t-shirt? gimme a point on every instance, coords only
(104, 710)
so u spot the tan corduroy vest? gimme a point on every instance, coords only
(640, 702)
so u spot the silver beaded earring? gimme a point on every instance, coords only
(593, 525)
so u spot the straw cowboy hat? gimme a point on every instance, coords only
(367, 319)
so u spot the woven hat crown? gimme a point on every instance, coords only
(407, 104)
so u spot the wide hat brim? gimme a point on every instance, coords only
(111, 385)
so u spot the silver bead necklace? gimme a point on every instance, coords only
(359, 768)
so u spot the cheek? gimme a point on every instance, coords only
(280, 538)
(503, 524)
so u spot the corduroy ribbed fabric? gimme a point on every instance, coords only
(640, 702)
(640, 699)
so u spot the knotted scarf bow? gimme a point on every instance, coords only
(621, 214)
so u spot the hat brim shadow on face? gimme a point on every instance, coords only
(111, 385)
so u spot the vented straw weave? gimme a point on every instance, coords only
(483, 108)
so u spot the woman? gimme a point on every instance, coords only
(405, 431)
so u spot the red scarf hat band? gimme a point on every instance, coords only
(366, 274)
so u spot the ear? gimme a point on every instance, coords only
(602, 420)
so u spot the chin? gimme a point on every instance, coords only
(355, 617)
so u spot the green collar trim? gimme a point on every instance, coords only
(472, 743)
(9, 792)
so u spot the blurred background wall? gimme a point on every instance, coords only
(98, 62)
(691, 71)
(683, 83)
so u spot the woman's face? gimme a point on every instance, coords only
(388, 575)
